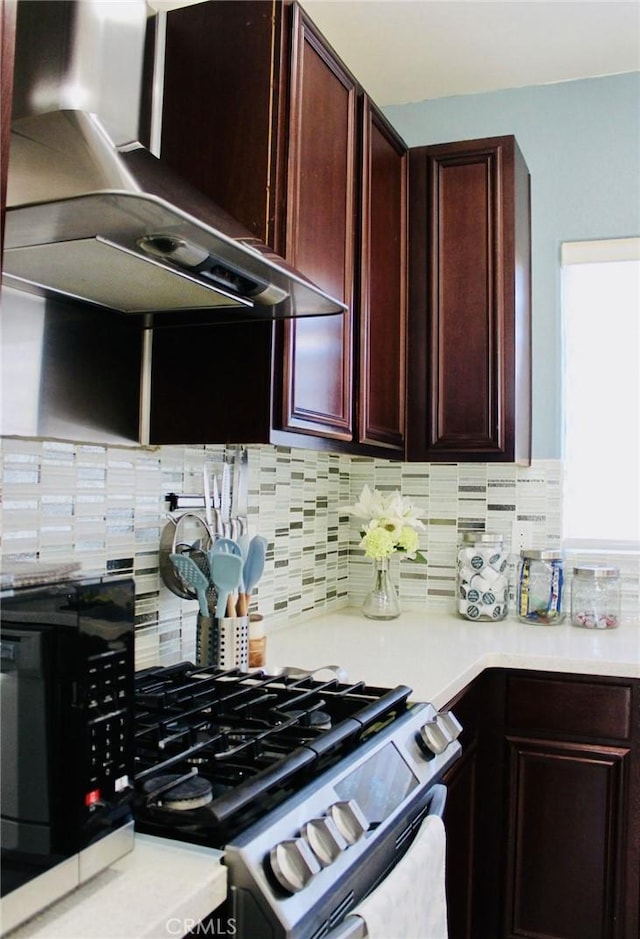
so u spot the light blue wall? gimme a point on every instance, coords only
(581, 141)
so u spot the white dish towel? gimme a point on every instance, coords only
(411, 902)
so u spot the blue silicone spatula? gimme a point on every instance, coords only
(226, 571)
(252, 571)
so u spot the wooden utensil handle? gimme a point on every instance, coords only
(242, 606)
(231, 605)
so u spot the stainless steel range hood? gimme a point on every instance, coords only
(91, 213)
(115, 227)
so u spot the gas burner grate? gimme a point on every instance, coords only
(255, 738)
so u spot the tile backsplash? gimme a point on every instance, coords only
(105, 507)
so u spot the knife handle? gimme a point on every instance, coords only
(219, 531)
(242, 606)
(207, 497)
(225, 493)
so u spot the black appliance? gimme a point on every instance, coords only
(66, 683)
(314, 787)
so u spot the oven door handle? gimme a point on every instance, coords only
(353, 926)
(438, 800)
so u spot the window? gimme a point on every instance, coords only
(601, 314)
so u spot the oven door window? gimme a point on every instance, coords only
(379, 785)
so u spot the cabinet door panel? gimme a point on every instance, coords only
(467, 310)
(320, 235)
(564, 840)
(383, 294)
(468, 366)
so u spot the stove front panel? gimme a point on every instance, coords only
(391, 780)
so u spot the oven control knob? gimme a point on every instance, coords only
(450, 722)
(293, 864)
(434, 737)
(325, 839)
(439, 732)
(349, 819)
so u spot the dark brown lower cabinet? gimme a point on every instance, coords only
(474, 812)
(573, 830)
(460, 823)
(565, 839)
(543, 815)
(459, 819)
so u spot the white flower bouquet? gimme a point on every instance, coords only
(389, 524)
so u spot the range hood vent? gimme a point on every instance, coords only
(94, 215)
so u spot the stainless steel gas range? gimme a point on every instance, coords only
(314, 787)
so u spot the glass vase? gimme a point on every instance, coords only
(382, 601)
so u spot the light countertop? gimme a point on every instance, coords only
(163, 888)
(437, 654)
(160, 889)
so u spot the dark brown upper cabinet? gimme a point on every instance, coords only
(382, 307)
(317, 357)
(221, 108)
(429, 248)
(346, 228)
(7, 47)
(221, 113)
(469, 371)
(261, 115)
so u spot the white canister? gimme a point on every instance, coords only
(482, 577)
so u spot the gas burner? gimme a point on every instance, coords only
(318, 719)
(187, 794)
